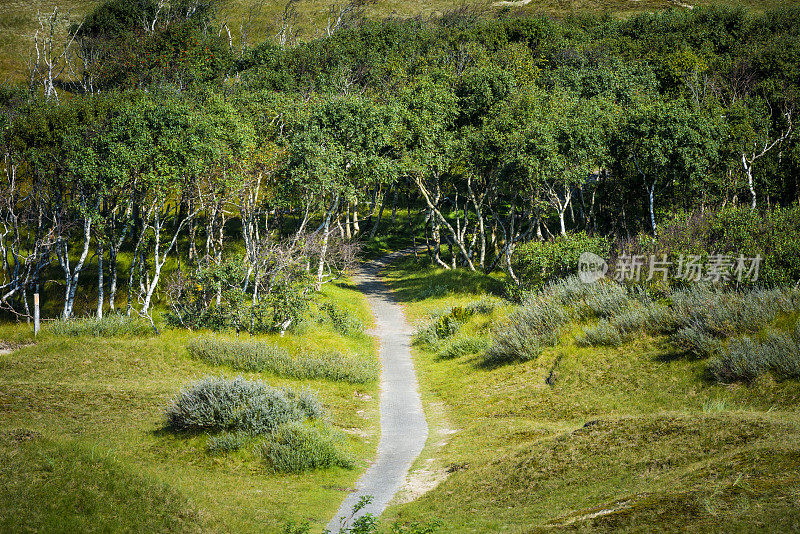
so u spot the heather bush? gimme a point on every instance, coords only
(531, 328)
(297, 447)
(602, 334)
(236, 404)
(695, 340)
(259, 356)
(114, 325)
(601, 299)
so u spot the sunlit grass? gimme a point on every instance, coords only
(633, 432)
(108, 395)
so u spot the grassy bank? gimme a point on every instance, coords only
(592, 438)
(82, 417)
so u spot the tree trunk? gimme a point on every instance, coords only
(100, 296)
(71, 277)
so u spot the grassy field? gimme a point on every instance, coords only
(18, 18)
(82, 431)
(594, 439)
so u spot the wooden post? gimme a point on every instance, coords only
(35, 314)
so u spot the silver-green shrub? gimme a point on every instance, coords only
(236, 404)
(297, 447)
(259, 356)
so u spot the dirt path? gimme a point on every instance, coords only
(403, 426)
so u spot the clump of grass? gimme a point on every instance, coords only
(226, 442)
(259, 356)
(343, 320)
(236, 404)
(443, 324)
(297, 447)
(115, 325)
(462, 346)
(745, 359)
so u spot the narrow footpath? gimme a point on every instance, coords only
(403, 426)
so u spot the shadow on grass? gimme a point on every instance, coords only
(418, 280)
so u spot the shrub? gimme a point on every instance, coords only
(773, 234)
(726, 313)
(343, 320)
(744, 359)
(695, 340)
(297, 447)
(531, 328)
(115, 325)
(602, 334)
(216, 403)
(259, 356)
(226, 442)
(443, 325)
(603, 298)
(538, 262)
(463, 346)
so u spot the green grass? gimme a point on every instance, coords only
(106, 397)
(632, 437)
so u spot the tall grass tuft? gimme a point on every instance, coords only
(297, 447)
(236, 404)
(114, 325)
(259, 356)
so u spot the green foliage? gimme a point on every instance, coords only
(772, 234)
(114, 325)
(194, 304)
(263, 356)
(223, 404)
(462, 346)
(298, 447)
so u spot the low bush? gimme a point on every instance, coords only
(744, 359)
(259, 356)
(343, 320)
(463, 346)
(696, 341)
(114, 325)
(529, 329)
(602, 334)
(297, 447)
(603, 298)
(226, 442)
(236, 404)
